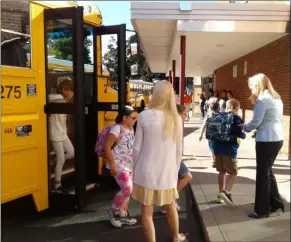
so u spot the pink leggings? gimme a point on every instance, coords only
(124, 180)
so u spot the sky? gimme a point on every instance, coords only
(114, 13)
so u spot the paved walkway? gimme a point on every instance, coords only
(232, 224)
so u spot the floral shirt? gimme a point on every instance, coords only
(122, 151)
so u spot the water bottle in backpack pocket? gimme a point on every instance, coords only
(219, 127)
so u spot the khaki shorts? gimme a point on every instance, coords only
(226, 164)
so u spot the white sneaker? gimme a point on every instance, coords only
(164, 211)
(178, 207)
(126, 219)
(114, 218)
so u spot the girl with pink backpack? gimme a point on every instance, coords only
(118, 147)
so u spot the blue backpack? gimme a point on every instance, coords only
(219, 127)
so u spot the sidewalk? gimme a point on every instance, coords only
(232, 224)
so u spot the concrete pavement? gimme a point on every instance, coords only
(232, 224)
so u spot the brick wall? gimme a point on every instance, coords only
(15, 16)
(272, 60)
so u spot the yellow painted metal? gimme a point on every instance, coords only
(24, 159)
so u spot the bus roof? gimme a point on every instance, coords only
(91, 12)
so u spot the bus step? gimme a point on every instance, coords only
(65, 172)
(89, 187)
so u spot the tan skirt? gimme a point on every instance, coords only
(154, 197)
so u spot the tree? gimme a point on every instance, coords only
(110, 61)
(60, 45)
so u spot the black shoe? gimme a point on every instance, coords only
(213, 165)
(60, 190)
(255, 215)
(274, 210)
(226, 197)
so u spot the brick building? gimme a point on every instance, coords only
(274, 61)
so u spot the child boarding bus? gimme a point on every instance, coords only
(54, 98)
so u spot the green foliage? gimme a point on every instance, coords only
(110, 61)
(60, 45)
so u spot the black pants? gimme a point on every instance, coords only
(267, 193)
(202, 111)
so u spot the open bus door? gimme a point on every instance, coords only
(66, 112)
(97, 112)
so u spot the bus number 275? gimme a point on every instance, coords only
(8, 91)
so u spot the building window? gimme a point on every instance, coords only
(15, 34)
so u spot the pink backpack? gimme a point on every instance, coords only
(101, 138)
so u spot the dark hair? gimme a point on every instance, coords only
(66, 84)
(223, 91)
(230, 93)
(202, 96)
(216, 91)
(126, 111)
(180, 108)
(214, 106)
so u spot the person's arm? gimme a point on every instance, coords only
(138, 141)
(259, 113)
(110, 141)
(203, 129)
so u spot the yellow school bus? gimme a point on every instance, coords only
(138, 92)
(41, 43)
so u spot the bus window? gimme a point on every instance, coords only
(110, 56)
(59, 54)
(131, 87)
(15, 34)
(88, 63)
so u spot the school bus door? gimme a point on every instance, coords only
(101, 105)
(69, 21)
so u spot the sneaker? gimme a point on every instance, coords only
(114, 218)
(126, 219)
(164, 211)
(213, 165)
(226, 197)
(181, 238)
(178, 207)
(219, 200)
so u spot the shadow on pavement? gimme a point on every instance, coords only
(189, 130)
(224, 214)
(20, 222)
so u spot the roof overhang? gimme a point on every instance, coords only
(216, 33)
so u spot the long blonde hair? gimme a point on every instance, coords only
(163, 98)
(262, 83)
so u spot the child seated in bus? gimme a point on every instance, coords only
(60, 141)
(118, 151)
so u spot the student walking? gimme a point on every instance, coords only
(60, 140)
(121, 138)
(213, 110)
(225, 151)
(157, 156)
(202, 105)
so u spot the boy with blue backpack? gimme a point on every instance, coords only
(225, 132)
